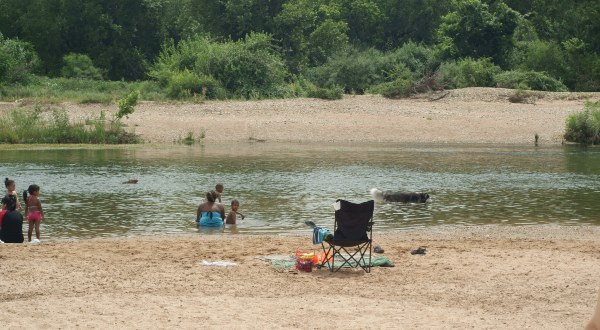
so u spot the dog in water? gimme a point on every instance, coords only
(402, 197)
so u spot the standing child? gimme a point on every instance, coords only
(232, 216)
(219, 189)
(10, 190)
(33, 210)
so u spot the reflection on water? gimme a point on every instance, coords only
(280, 186)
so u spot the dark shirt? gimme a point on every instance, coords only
(12, 227)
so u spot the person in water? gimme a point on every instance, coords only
(210, 213)
(232, 216)
(219, 190)
(33, 210)
(10, 190)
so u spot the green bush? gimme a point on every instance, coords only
(31, 126)
(583, 66)
(358, 70)
(532, 80)
(467, 72)
(402, 84)
(418, 59)
(18, 60)
(353, 69)
(79, 66)
(127, 105)
(298, 86)
(395, 89)
(248, 68)
(331, 93)
(540, 56)
(186, 84)
(4, 67)
(584, 127)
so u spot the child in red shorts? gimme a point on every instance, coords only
(33, 210)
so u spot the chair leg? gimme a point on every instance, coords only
(357, 257)
(328, 254)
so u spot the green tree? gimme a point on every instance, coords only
(36, 22)
(411, 20)
(119, 35)
(477, 29)
(18, 60)
(365, 20)
(242, 17)
(295, 24)
(329, 37)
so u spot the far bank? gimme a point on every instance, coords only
(471, 115)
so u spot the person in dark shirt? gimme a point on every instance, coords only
(11, 227)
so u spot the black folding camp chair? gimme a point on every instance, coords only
(352, 237)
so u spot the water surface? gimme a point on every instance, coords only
(280, 186)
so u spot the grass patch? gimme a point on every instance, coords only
(54, 90)
(584, 127)
(324, 93)
(189, 139)
(35, 126)
(523, 96)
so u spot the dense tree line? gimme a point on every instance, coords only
(251, 47)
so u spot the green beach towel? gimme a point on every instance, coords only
(379, 261)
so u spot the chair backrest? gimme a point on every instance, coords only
(353, 221)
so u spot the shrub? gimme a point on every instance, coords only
(418, 59)
(246, 68)
(331, 93)
(185, 84)
(30, 126)
(523, 96)
(4, 67)
(467, 72)
(584, 127)
(532, 80)
(395, 89)
(79, 66)
(540, 56)
(127, 104)
(353, 69)
(358, 70)
(402, 84)
(18, 60)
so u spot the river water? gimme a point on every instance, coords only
(280, 186)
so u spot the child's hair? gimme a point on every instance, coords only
(235, 201)
(8, 182)
(219, 186)
(211, 196)
(32, 188)
(10, 201)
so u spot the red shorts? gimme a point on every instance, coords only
(34, 216)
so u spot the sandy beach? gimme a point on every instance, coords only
(470, 278)
(488, 277)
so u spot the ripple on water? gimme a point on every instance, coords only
(282, 186)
